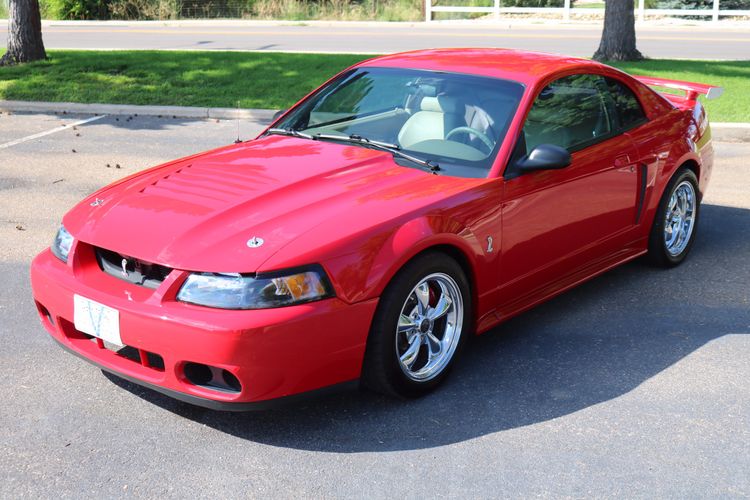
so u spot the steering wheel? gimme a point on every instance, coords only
(468, 130)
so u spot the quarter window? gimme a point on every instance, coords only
(629, 110)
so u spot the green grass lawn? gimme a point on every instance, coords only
(220, 79)
(270, 80)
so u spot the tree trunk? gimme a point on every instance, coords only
(618, 36)
(24, 33)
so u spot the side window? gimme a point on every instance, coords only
(571, 112)
(628, 108)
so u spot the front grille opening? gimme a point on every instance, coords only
(71, 332)
(141, 356)
(45, 314)
(211, 377)
(135, 271)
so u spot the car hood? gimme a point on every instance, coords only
(198, 213)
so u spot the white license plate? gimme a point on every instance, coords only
(96, 319)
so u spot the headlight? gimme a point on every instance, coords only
(61, 246)
(263, 291)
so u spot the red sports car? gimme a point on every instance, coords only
(410, 202)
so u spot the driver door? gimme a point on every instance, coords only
(560, 225)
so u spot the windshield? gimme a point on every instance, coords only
(456, 120)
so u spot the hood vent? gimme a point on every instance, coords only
(208, 186)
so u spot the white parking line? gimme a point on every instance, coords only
(48, 132)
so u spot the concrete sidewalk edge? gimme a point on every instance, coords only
(730, 132)
(488, 21)
(722, 131)
(257, 115)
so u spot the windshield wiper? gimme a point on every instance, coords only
(290, 132)
(394, 149)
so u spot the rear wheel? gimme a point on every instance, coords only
(421, 322)
(673, 232)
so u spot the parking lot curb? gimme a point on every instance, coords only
(674, 22)
(722, 131)
(731, 132)
(256, 115)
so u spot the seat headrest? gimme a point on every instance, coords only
(439, 104)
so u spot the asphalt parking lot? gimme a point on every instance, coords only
(634, 384)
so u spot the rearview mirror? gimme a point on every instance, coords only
(544, 157)
(278, 114)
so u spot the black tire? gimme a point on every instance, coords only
(658, 253)
(382, 371)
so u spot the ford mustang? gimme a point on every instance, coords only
(410, 202)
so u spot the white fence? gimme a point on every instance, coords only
(565, 11)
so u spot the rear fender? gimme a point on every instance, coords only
(682, 153)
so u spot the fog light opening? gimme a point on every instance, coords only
(211, 377)
(197, 373)
(231, 381)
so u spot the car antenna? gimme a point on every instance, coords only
(238, 123)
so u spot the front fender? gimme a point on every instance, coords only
(414, 238)
(364, 274)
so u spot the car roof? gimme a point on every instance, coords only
(519, 65)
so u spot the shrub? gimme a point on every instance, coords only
(78, 9)
(703, 4)
(534, 3)
(145, 9)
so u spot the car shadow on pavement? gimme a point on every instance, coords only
(590, 345)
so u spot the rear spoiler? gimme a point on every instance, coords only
(691, 89)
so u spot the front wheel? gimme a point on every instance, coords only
(673, 232)
(419, 327)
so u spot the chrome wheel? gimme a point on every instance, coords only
(679, 218)
(429, 327)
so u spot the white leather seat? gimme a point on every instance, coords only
(437, 116)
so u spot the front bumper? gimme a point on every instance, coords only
(273, 353)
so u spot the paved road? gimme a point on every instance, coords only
(634, 384)
(705, 42)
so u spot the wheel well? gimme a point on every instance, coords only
(460, 257)
(693, 166)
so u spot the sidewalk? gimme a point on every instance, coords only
(256, 115)
(722, 132)
(663, 23)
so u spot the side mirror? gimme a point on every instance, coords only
(278, 114)
(544, 157)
